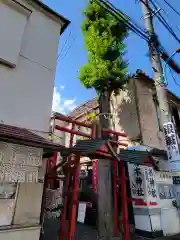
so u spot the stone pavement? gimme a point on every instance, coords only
(84, 232)
(51, 231)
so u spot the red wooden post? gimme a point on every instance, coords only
(115, 209)
(62, 231)
(124, 202)
(72, 220)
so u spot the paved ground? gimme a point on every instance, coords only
(51, 231)
(84, 232)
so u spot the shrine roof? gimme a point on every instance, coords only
(139, 156)
(134, 156)
(84, 147)
(24, 136)
(91, 149)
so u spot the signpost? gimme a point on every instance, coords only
(172, 147)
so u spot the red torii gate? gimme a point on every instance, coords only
(72, 171)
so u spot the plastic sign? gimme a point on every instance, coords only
(92, 116)
(172, 147)
(81, 138)
(52, 137)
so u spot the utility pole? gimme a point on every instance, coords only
(168, 126)
(105, 210)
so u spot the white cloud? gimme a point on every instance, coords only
(62, 106)
(72, 107)
(69, 102)
(61, 87)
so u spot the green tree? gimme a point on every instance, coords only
(104, 40)
(106, 72)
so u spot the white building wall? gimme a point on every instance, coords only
(26, 90)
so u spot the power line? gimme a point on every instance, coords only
(160, 7)
(167, 15)
(122, 17)
(67, 49)
(64, 45)
(165, 12)
(173, 77)
(163, 21)
(129, 19)
(164, 54)
(172, 7)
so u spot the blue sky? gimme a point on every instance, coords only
(68, 91)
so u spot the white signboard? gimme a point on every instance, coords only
(172, 147)
(150, 184)
(143, 183)
(137, 183)
(81, 212)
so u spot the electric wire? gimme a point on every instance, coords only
(119, 15)
(68, 49)
(166, 24)
(165, 12)
(172, 7)
(162, 20)
(129, 23)
(64, 46)
(173, 77)
(160, 7)
(122, 17)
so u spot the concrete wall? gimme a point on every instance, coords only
(28, 204)
(26, 90)
(151, 135)
(25, 206)
(125, 114)
(134, 112)
(6, 211)
(21, 234)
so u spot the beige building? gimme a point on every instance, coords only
(136, 112)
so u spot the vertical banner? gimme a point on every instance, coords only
(95, 175)
(151, 186)
(81, 212)
(137, 181)
(143, 184)
(172, 147)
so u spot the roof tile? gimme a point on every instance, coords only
(87, 106)
(23, 134)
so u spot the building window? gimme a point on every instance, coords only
(176, 119)
(158, 112)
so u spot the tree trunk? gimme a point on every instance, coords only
(105, 213)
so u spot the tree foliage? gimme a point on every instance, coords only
(104, 37)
